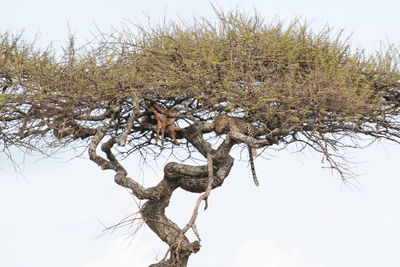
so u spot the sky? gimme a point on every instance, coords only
(300, 216)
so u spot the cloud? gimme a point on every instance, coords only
(263, 253)
(123, 252)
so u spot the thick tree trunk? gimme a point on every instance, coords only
(176, 175)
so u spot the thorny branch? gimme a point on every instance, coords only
(310, 89)
(204, 196)
(191, 178)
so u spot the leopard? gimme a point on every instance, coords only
(224, 123)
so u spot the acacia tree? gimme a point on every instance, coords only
(294, 86)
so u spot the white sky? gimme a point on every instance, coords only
(300, 216)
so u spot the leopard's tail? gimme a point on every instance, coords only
(253, 169)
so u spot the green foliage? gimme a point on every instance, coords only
(276, 75)
(292, 84)
(239, 64)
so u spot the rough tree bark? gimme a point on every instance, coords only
(296, 86)
(190, 178)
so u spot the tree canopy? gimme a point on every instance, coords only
(293, 85)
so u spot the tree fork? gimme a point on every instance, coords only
(187, 177)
